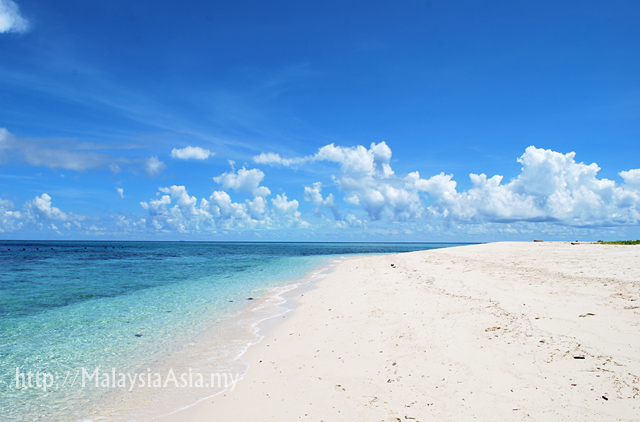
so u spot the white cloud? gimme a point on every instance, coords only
(222, 206)
(38, 213)
(40, 208)
(191, 153)
(366, 178)
(275, 159)
(244, 181)
(10, 18)
(552, 187)
(257, 207)
(175, 209)
(631, 177)
(183, 216)
(9, 217)
(313, 194)
(285, 207)
(154, 167)
(287, 211)
(353, 221)
(354, 160)
(552, 193)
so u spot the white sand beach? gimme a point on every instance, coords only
(493, 332)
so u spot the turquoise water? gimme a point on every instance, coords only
(131, 307)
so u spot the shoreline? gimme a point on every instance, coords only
(132, 315)
(494, 331)
(284, 296)
(237, 333)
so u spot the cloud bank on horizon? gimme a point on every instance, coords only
(552, 187)
(551, 191)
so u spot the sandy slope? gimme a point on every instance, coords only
(486, 332)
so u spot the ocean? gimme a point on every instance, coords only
(123, 331)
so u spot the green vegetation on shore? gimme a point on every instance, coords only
(621, 242)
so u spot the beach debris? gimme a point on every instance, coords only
(605, 397)
(138, 335)
(538, 240)
(249, 298)
(578, 357)
(586, 315)
(393, 265)
(492, 329)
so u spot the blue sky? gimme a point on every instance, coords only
(289, 120)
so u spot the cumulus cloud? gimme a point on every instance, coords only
(552, 192)
(10, 218)
(285, 207)
(154, 167)
(10, 18)
(552, 187)
(355, 160)
(244, 181)
(41, 208)
(631, 177)
(37, 213)
(313, 194)
(191, 153)
(287, 211)
(366, 178)
(175, 209)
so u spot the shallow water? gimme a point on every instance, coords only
(77, 318)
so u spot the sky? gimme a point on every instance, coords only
(320, 120)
